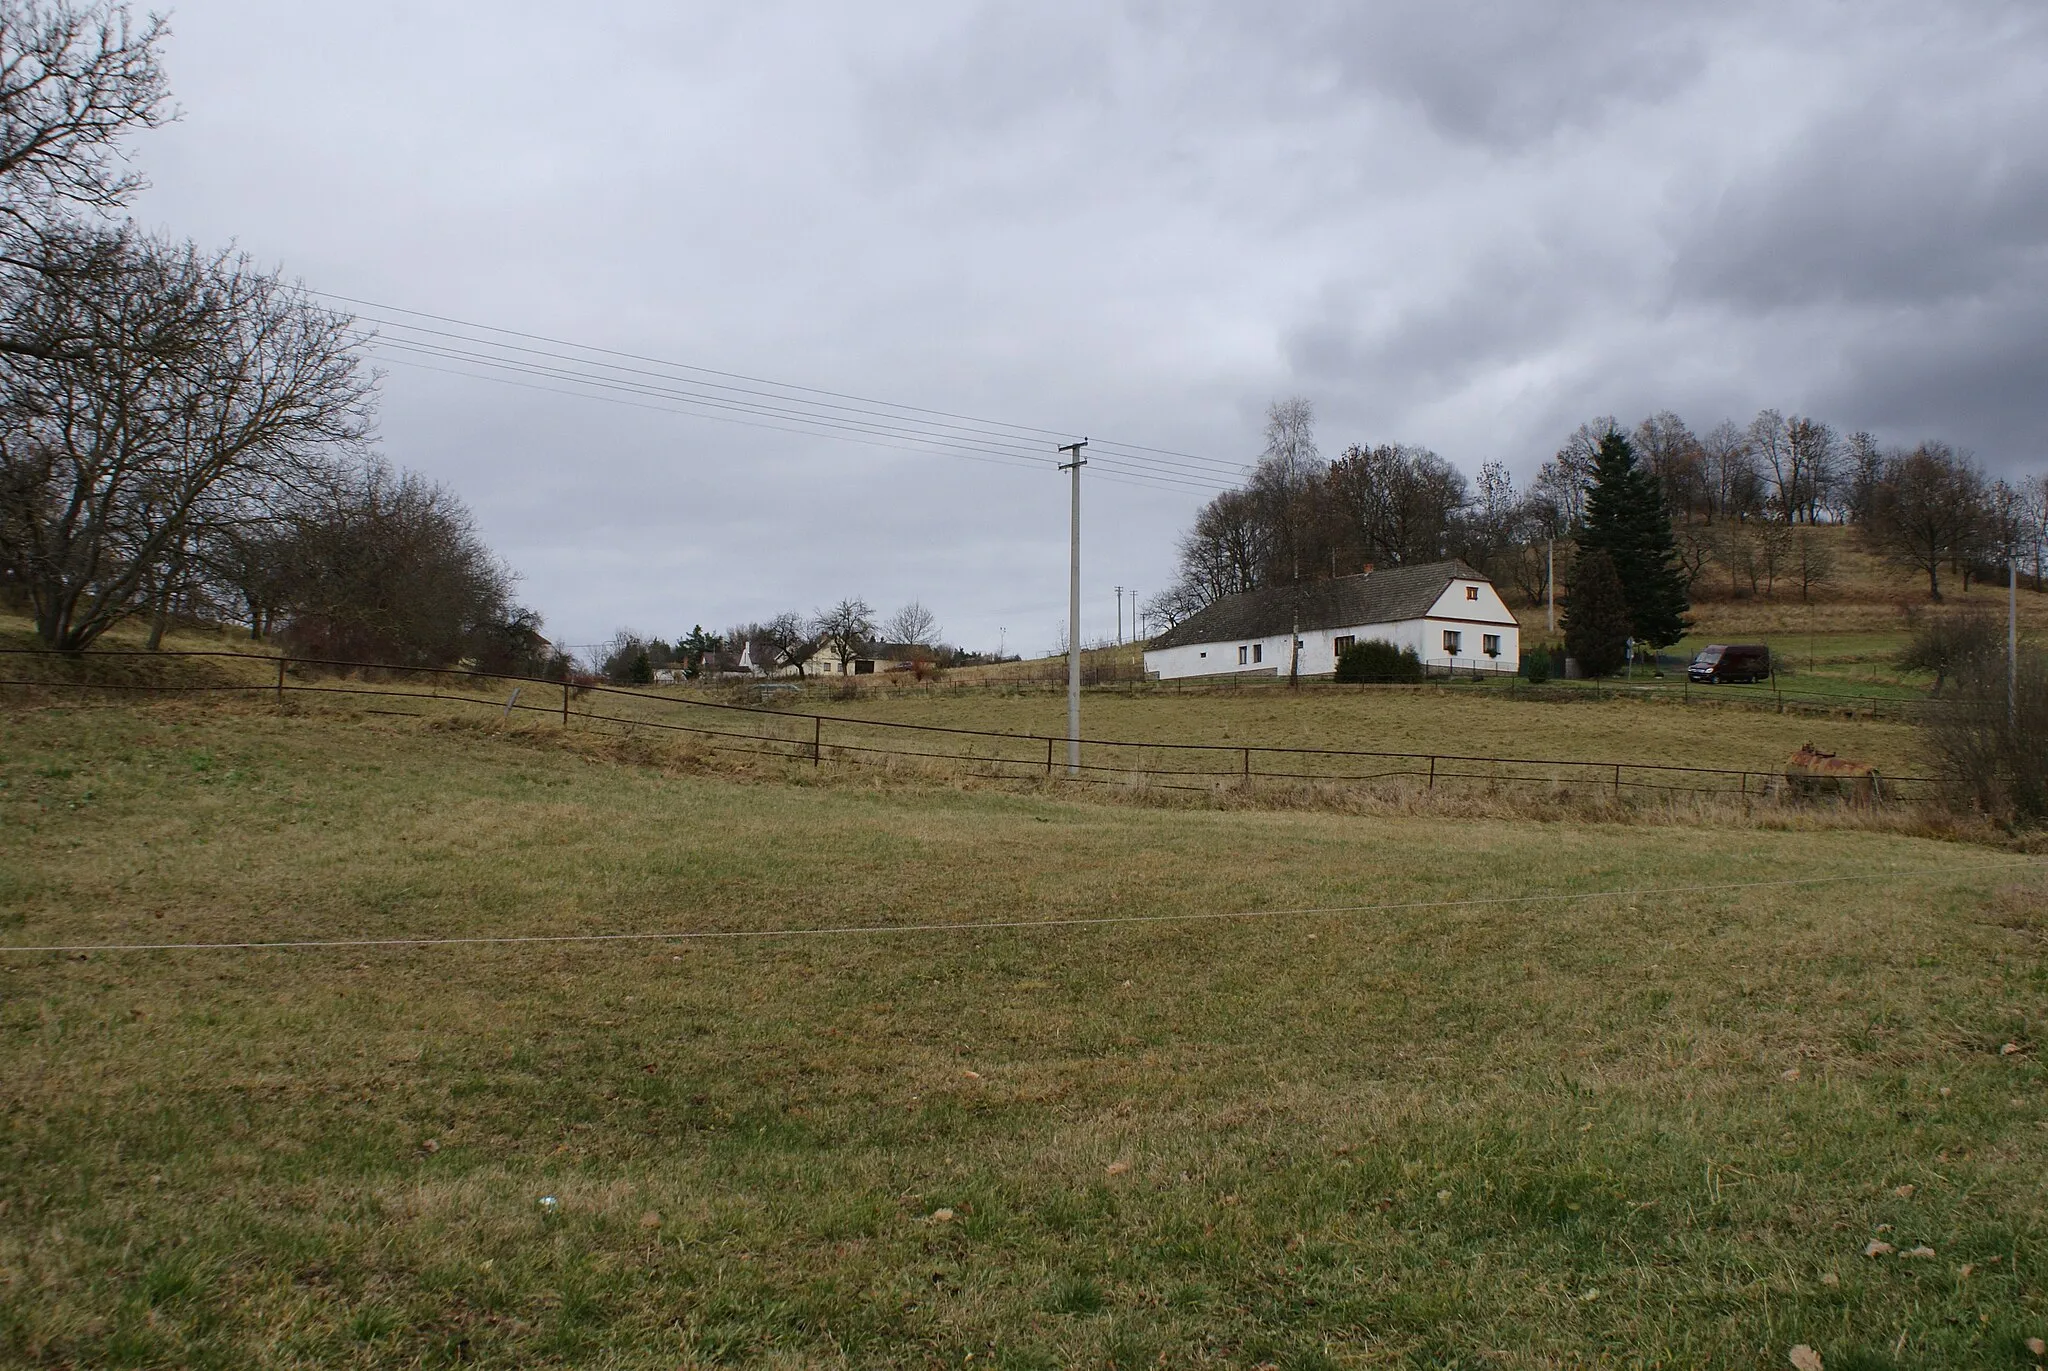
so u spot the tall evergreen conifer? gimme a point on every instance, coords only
(1596, 624)
(1626, 518)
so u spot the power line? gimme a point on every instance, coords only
(757, 380)
(827, 425)
(1002, 925)
(942, 430)
(1128, 478)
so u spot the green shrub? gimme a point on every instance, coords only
(1536, 666)
(1377, 661)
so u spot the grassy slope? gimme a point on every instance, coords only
(1494, 1135)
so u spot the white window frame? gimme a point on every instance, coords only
(1454, 642)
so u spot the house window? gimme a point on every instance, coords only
(1452, 638)
(1258, 652)
(1491, 643)
(1344, 644)
(1471, 592)
(1244, 655)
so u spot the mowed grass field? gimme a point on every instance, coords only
(1658, 1128)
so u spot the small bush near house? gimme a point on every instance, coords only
(1536, 666)
(1379, 662)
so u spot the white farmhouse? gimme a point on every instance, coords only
(1447, 611)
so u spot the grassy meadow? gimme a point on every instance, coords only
(1655, 1129)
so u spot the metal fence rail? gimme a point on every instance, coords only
(816, 739)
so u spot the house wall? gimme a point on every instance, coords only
(1319, 652)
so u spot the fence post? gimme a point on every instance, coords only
(1048, 756)
(1247, 768)
(565, 702)
(280, 683)
(817, 738)
(1617, 780)
(1432, 773)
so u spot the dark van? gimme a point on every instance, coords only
(1722, 664)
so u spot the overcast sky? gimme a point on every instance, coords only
(1465, 225)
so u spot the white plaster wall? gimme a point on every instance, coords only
(1318, 650)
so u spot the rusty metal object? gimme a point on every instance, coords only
(1812, 773)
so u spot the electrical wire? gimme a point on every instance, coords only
(1137, 480)
(834, 414)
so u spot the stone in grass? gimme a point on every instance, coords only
(942, 1216)
(1878, 1247)
(1805, 1358)
(650, 1220)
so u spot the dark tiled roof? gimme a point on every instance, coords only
(1378, 597)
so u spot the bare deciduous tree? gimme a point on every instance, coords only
(1282, 483)
(1816, 458)
(73, 80)
(1671, 453)
(793, 641)
(847, 628)
(1927, 509)
(1865, 462)
(206, 384)
(1812, 561)
(913, 625)
(386, 566)
(1800, 455)
(1730, 479)
(1564, 481)
(1397, 504)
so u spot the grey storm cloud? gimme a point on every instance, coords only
(1470, 225)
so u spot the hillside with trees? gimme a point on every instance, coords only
(1778, 510)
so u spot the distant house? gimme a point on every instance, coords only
(1448, 612)
(874, 659)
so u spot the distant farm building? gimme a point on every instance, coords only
(1448, 612)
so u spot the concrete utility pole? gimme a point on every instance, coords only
(1074, 615)
(1119, 616)
(2012, 639)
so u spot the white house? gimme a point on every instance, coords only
(879, 658)
(1447, 611)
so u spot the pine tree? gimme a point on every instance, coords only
(1627, 518)
(1596, 622)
